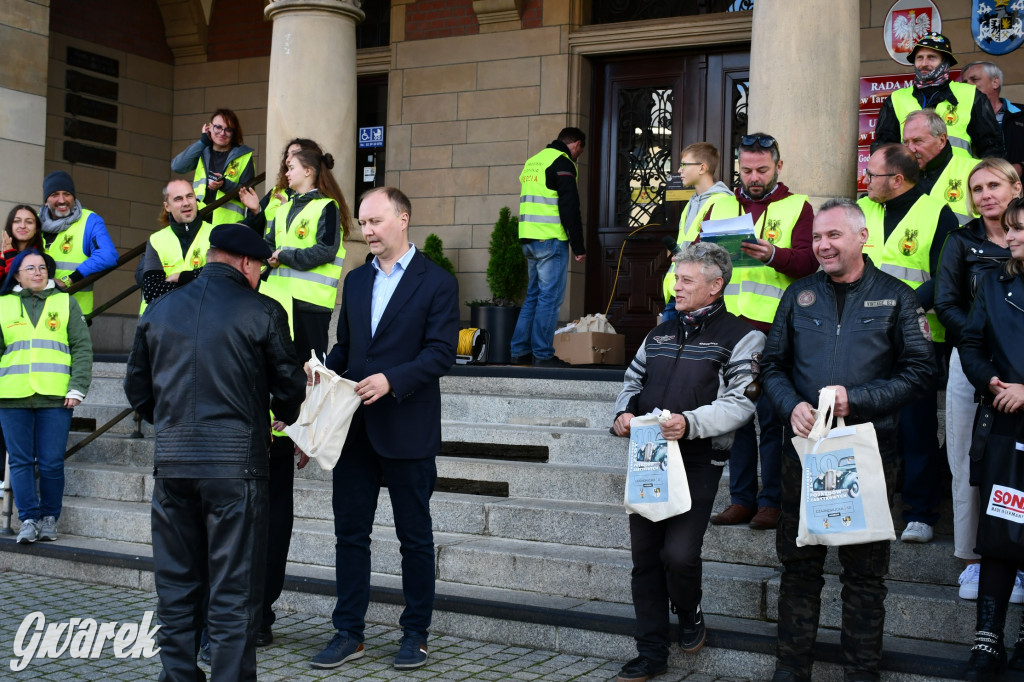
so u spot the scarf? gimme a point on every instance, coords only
(52, 225)
(692, 321)
(932, 79)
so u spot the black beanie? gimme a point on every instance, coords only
(57, 181)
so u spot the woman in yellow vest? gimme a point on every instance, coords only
(45, 370)
(221, 163)
(306, 235)
(263, 210)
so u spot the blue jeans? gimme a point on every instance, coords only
(744, 455)
(547, 261)
(36, 437)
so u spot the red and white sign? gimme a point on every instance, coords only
(1006, 503)
(906, 23)
(863, 154)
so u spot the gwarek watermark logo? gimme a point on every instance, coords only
(82, 638)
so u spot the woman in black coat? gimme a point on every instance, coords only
(992, 357)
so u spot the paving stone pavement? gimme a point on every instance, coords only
(298, 637)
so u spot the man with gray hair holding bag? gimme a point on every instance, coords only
(698, 367)
(855, 329)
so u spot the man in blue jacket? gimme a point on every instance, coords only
(75, 237)
(397, 332)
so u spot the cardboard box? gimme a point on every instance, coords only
(591, 348)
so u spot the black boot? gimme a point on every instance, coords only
(988, 656)
(1017, 662)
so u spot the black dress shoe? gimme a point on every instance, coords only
(264, 637)
(521, 360)
(787, 676)
(641, 669)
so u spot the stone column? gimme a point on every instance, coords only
(312, 88)
(804, 90)
(25, 35)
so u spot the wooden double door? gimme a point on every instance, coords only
(646, 110)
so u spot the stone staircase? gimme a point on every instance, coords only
(532, 540)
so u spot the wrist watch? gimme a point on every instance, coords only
(66, 281)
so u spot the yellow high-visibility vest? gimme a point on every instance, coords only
(956, 117)
(318, 286)
(168, 248)
(538, 204)
(905, 254)
(37, 359)
(755, 292)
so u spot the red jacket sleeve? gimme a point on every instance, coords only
(798, 260)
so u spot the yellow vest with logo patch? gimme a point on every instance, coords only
(318, 286)
(755, 292)
(951, 186)
(906, 253)
(68, 252)
(168, 248)
(956, 117)
(687, 233)
(234, 210)
(538, 204)
(36, 360)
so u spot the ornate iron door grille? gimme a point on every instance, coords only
(644, 155)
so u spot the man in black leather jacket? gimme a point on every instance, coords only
(855, 328)
(208, 362)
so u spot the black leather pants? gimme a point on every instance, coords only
(209, 532)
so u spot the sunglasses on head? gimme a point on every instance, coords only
(765, 141)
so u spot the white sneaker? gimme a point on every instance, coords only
(969, 581)
(917, 531)
(1017, 596)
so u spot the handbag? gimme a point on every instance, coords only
(843, 498)
(656, 485)
(325, 416)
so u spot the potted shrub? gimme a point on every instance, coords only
(433, 249)
(507, 279)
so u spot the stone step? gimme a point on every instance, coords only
(564, 445)
(736, 648)
(564, 389)
(532, 411)
(751, 592)
(543, 520)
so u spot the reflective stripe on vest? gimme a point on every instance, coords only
(168, 248)
(956, 117)
(538, 205)
(36, 360)
(68, 252)
(906, 254)
(754, 292)
(687, 234)
(951, 186)
(234, 210)
(318, 286)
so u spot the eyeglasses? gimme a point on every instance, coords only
(33, 268)
(765, 141)
(219, 129)
(869, 175)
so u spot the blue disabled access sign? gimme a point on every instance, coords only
(371, 137)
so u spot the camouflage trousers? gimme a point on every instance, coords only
(863, 578)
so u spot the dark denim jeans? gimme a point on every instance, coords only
(357, 483)
(547, 261)
(746, 450)
(36, 437)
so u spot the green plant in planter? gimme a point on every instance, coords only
(433, 249)
(506, 269)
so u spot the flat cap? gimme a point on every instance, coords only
(239, 239)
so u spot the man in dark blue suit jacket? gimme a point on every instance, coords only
(397, 334)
